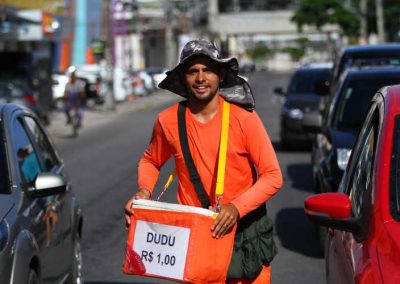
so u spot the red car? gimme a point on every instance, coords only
(363, 242)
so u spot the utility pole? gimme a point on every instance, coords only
(170, 39)
(380, 21)
(107, 64)
(363, 22)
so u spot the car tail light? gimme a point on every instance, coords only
(30, 99)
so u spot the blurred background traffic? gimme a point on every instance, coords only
(121, 48)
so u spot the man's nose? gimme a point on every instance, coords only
(200, 76)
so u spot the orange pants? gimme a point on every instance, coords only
(263, 278)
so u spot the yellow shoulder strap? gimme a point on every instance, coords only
(223, 146)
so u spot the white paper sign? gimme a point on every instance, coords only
(162, 248)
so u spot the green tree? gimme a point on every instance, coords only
(322, 12)
(259, 52)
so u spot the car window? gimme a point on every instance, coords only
(362, 174)
(395, 172)
(304, 81)
(28, 163)
(45, 151)
(356, 95)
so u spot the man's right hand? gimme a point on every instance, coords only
(141, 194)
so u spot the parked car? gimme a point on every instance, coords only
(20, 93)
(300, 98)
(366, 55)
(338, 130)
(138, 83)
(157, 74)
(40, 219)
(363, 243)
(58, 88)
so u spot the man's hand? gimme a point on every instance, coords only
(226, 219)
(141, 194)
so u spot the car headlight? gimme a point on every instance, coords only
(343, 155)
(296, 113)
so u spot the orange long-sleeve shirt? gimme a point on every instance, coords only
(252, 170)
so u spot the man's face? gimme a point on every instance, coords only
(202, 76)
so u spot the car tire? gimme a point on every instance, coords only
(321, 233)
(285, 144)
(77, 269)
(33, 278)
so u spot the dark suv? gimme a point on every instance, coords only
(40, 219)
(301, 98)
(339, 127)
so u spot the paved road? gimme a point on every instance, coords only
(102, 165)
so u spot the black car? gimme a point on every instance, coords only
(40, 218)
(366, 55)
(301, 98)
(339, 127)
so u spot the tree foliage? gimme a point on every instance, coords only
(259, 52)
(322, 12)
(319, 13)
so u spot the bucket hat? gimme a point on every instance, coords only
(233, 88)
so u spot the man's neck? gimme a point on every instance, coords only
(204, 111)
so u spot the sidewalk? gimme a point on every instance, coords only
(100, 115)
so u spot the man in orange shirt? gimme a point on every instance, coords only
(252, 174)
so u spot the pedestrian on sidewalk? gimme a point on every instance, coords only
(206, 79)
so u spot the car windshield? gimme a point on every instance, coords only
(304, 81)
(355, 97)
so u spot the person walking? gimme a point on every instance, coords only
(252, 175)
(74, 97)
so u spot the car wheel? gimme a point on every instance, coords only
(285, 144)
(33, 278)
(76, 271)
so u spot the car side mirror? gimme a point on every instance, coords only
(333, 210)
(312, 122)
(47, 184)
(279, 91)
(322, 87)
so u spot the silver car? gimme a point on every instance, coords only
(40, 219)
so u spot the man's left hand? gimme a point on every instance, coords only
(226, 219)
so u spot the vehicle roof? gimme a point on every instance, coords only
(370, 49)
(315, 66)
(321, 64)
(372, 71)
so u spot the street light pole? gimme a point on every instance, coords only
(380, 21)
(108, 54)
